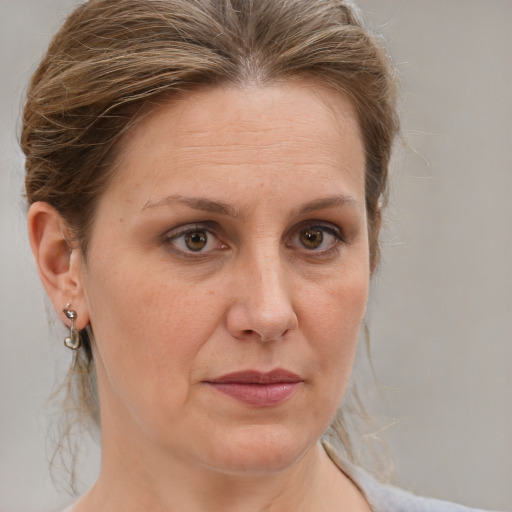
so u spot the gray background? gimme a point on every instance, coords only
(441, 310)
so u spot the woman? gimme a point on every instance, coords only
(205, 183)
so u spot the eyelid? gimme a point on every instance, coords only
(212, 229)
(173, 234)
(320, 224)
(329, 227)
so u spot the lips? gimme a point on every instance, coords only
(258, 388)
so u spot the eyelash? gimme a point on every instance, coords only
(172, 237)
(330, 229)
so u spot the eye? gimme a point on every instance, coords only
(311, 238)
(195, 240)
(320, 238)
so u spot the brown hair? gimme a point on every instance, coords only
(110, 58)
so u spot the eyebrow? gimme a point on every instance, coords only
(221, 208)
(198, 203)
(328, 202)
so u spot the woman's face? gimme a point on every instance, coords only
(227, 276)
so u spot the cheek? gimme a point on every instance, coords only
(334, 320)
(148, 326)
(331, 323)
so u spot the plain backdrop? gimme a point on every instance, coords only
(440, 315)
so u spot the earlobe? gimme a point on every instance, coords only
(58, 261)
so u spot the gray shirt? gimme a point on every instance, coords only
(386, 498)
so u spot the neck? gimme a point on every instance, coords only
(134, 482)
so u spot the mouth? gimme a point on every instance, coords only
(258, 388)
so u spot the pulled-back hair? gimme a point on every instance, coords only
(112, 57)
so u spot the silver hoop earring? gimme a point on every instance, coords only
(72, 341)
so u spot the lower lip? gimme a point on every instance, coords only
(261, 395)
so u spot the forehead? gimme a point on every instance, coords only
(270, 131)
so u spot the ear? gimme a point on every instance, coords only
(59, 261)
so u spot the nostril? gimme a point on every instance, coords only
(265, 336)
(248, 333)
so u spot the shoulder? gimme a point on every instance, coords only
(387, 498)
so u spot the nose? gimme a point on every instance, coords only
(262, 307)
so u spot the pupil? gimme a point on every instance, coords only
(312, 238)
(196, 241)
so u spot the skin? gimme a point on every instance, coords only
(255, 171)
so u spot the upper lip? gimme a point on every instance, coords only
(257, 377)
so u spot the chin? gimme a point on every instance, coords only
(257, 449)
